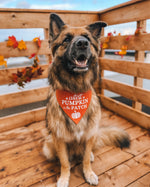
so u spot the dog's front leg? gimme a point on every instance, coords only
(90, 176)
(64, 161)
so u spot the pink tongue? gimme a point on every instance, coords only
(81, 63)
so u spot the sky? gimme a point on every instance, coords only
(90, 5)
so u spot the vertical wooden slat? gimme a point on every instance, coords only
(46, 35)
(139, 56)
(102, 54)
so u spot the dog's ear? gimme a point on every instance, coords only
(55, 26)
(95, 28)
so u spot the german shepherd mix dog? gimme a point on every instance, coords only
(73, 110)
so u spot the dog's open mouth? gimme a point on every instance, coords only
(81, 61)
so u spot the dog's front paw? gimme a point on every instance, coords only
(63, 182)
(91, 178)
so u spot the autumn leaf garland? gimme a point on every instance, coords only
(27, 73)
(21, 45)
(3, 62)
(12, 42)
(123, 51)
(38, 41)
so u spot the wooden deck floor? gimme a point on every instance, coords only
(22, 162)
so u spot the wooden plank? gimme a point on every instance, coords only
(102, 163)
(5, 74)
(119, 6)
(101, 71)
(129, 113)
(117, 121)
(30, 175)
(139, 56)
(145, 180)
(23, 97)
(22, 19)
(137, 184)
(37, 19)
(31, 48)
(139, 145)
(131, 92)
(22, 119)
(106, 113)
(117, 157)
(138, 82)
(47, 11)
(83, 19)
(19, 136)
(46, 36)
(141, 182)
(132, 11)
(137, 69)
(127, 172)
(24, 157)
(136, 42)
(48, 182)
(135, 132)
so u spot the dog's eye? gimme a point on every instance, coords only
(67, 39)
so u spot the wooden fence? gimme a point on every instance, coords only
(135, 10)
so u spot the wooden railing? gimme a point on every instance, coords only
(132, 11)
(135, 10)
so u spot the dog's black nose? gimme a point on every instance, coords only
(82, 43)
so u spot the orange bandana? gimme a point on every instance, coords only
(74, 105)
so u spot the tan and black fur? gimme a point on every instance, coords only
(74, 69)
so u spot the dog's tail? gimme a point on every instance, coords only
(112, 136)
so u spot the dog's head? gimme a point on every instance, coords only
(75, 46)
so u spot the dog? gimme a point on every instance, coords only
(73, 110)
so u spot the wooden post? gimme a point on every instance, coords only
(139, 56)
(102, 54)
(46, 35)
